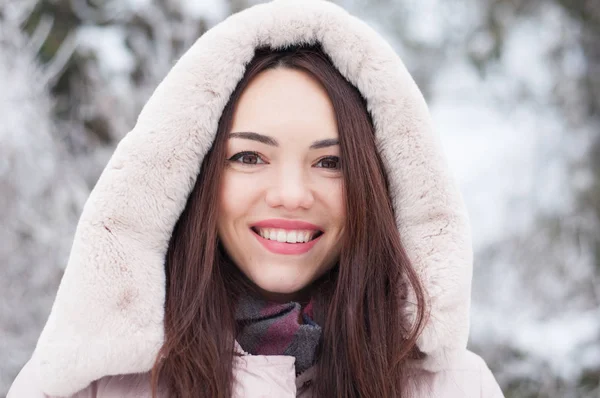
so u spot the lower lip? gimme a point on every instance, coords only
(286, 248)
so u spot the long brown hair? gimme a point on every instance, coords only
(363, 304)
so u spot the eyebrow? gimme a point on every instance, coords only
(265, 139)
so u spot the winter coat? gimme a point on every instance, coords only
(106, 325)
(256, 376)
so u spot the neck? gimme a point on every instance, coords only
(302, 296)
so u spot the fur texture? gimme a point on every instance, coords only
(108, 315)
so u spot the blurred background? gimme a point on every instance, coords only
(514, 89)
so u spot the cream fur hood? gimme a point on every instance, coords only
(108, 315)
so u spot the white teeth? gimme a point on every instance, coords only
(291, 237)
(282, 235)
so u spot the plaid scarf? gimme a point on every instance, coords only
(267, 328)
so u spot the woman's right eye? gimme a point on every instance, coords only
(247, 158)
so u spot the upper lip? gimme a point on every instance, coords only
(280, 223)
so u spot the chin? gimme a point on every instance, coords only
(280, 283)
(281, 286)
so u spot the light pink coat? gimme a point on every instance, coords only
(274, 376)
(107, 318)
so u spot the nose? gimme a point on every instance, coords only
(290, 190)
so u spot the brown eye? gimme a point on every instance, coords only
(330, 162)
(247, 158)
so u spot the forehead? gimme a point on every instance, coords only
(286, 104)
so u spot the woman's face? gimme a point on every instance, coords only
(282, 210)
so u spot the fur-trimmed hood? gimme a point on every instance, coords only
(108, 315)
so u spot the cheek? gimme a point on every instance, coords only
(230, 209)
(332, 195)
(340, 205)
(238, 195)
(233, 189)
(227, 203)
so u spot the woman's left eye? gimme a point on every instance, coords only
(330, 162)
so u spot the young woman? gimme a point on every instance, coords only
(279, 223)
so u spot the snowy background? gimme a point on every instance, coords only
(514, 89)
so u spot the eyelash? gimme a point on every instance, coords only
(240, 155)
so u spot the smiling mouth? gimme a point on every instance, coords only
(287, 236)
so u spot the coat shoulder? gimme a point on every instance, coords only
(27, 385)
(465, 376)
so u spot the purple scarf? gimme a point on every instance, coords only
(267, 328)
